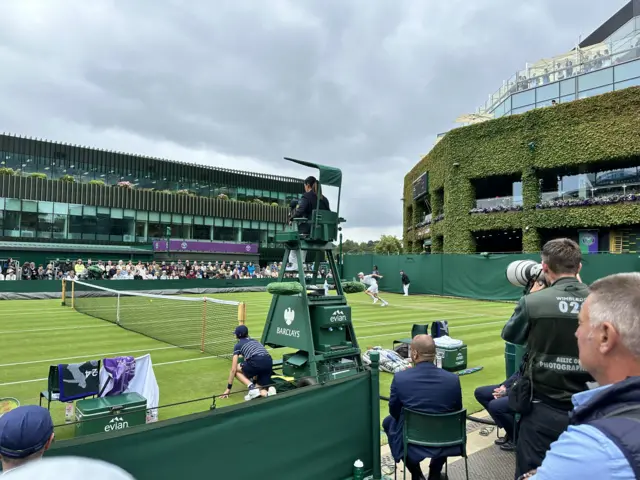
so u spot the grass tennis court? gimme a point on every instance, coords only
(37, 333)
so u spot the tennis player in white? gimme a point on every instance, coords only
(372, 289)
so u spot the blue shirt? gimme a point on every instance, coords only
(584, 452)
(248, 348)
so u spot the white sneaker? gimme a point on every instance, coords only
(375, 300)
(384, 304)
(271, 391)
(253, 393)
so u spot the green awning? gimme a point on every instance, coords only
(329, 176)
(75, 247)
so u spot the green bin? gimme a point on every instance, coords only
(110, 414)
(513, 357)
(453, 358)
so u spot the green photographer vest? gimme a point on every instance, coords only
(553, 365)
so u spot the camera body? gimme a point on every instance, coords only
(525, 273)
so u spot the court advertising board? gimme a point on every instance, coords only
(204, 247)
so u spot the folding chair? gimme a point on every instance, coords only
(435, 430)
(415, 330)
(53, 387)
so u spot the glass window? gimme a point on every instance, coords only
(61, 208)
(595, 91)
(197, 220)
(90, 211)
(548, 103)
(129, 214)
(13, 204)
(523, 109)
(523, 98)
(547, 92)
(568, 86)
(627, 83)
(177, 219)
(202, 232)
(154, 217)
(143, 216)
(499, 110)
(626, 71)
(45, 207)
(567, 98)
(29, 206)
(218, 222)
(595, 79)
(11, 224)
(228, 222)
(28, 224)
(165, 217)
(1, 206)
(187, 219)
(59, 226)
(225, 234)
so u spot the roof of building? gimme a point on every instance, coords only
(620, 18)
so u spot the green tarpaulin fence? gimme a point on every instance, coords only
(471, 276)
(315, 432)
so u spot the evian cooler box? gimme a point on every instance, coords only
(110, 414)
(453, 358)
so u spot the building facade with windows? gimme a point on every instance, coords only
(68, 199)
(556, 153)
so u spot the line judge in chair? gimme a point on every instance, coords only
(423, 388)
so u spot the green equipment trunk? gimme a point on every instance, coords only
(110, 414)
(453, 358)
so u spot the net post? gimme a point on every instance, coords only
(242, 313)
(73, 295)
(204, 323)
(64, 292)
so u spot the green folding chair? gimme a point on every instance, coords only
(435, 430)
(415, 330)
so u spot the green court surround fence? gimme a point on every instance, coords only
(472, 276)
(315, 432)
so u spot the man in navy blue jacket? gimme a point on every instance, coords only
(495, 399)
(425, 388)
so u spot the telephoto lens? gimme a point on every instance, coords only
(521, 272)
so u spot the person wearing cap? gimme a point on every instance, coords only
(255, 371)
(25, 433)
(304, 209)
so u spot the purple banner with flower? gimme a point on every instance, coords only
(204, 247)
(588, 241)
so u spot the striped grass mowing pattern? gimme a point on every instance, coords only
(37, 333)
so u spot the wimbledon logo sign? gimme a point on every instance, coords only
(289, 317)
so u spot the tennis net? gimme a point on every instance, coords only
(202, 323)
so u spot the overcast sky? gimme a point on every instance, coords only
(363, 85)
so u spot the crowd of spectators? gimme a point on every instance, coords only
(132, 270)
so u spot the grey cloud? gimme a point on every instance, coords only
(361, 84)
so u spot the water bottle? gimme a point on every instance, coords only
(68, 413)
(358, 470)
(439, 360)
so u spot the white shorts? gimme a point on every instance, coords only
(373, 289)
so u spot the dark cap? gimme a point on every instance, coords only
(310, 180)
(24, 431)
(241, 331)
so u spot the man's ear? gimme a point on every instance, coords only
(580, 267)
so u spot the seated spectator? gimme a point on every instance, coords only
(495, 400)
(25, 433)
(425, 388)
(603, 438)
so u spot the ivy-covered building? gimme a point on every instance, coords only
(510, 184)
(556, 153)
(69, 199)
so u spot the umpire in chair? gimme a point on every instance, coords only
(424, 388)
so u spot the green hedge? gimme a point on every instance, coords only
(585, 131)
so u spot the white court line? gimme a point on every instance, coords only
(55, 329)
(211, 357)
(422, 308)
(369, 324)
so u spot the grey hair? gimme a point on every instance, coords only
(616, 299)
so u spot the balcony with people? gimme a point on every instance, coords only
(613, 64)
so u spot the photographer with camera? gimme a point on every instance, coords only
(545, 320)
